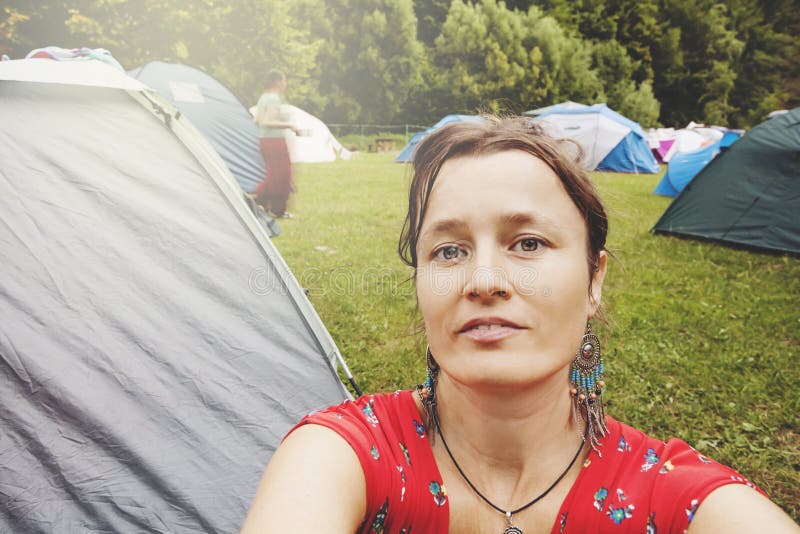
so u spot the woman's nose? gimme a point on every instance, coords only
(487, 280)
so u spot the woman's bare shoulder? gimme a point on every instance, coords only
(737, 508)
(313, 482)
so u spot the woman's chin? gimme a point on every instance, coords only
(505, 378)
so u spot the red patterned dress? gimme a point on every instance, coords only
(638, 485)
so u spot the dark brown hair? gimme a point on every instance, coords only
(488, 135)
(273, 77)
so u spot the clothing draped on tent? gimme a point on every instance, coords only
(71, 54)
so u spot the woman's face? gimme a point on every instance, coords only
(502, 274)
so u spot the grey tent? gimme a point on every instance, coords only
(747, 196)
(154, 346)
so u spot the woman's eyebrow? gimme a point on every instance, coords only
(525, 218)
(444, 226)
(452, 225)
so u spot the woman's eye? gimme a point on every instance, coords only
(448, 253)
(528, 244)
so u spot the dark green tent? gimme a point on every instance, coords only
(749, 195)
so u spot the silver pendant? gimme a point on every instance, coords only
(511, 529)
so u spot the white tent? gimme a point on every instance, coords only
(569, 104)
(316, 144)
(609, 141)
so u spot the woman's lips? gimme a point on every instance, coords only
(489, 333)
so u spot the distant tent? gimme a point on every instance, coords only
(569, 104)
(684, 166)
(660, 141)
(610, 141)
(729, 137)
(693, 137)
(776, 113)
(407, 154)
(215, 111)
(154, 345)
(749, 195)
(317, 143)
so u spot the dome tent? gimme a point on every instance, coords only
(215, 111)
(610, 142)
(684, 165)
(749, 195)
(317, 144)
(407, 154)
(569, 104)
(155, 347)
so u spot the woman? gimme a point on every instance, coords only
(273, 127)
(506, 236)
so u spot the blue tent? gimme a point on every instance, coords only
(215, 111)
(407, 154)
(684, 166)
(569, 104)
(610, 141)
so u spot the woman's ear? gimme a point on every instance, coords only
(598, 276)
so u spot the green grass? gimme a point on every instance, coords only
(702, 340)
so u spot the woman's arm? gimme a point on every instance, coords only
(270, 117)
(736, 508)
(313, 483)
(280, 124)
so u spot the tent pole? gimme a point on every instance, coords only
(347, 372)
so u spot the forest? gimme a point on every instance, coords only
(659, 62)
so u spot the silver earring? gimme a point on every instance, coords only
(587, 384)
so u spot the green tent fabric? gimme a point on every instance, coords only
(749, 195)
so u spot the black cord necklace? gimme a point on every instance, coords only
(510, 529)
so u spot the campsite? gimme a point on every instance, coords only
(163, 327)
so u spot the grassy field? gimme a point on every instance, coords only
(702, 341)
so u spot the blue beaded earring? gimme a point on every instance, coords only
(586, 379)
(427, 391)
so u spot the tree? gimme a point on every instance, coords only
(480, 57)
(566, 60)
(490, 58)
(637, 28)
(254, 37)
(12, 18)
(616, 69)
(235, 45)
(766, 63)
(698, 86)
(728, 62)
(431, 14)
(371, 60)
(722, 50)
